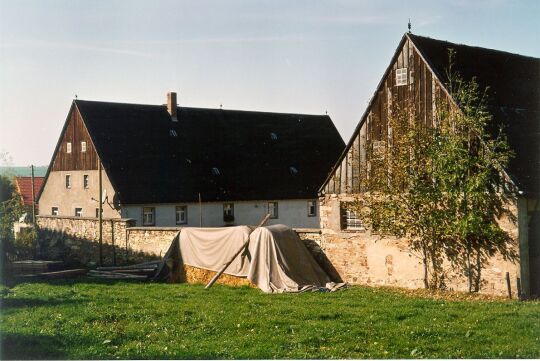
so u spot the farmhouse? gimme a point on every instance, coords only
(165, 165)
(417, 74)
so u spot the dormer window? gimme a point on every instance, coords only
(293, 170)
(401, 76)
(68, 147)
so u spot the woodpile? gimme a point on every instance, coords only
(194, 275)
(140, 271)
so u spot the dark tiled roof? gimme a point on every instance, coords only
(513, 83)
(223, 154)
(24, 188)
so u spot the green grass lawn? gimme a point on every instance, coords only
(89, 319)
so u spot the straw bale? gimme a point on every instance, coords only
(199, 275)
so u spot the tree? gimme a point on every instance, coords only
(437, 186)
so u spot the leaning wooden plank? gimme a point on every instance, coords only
(58, 274)
(242, 249)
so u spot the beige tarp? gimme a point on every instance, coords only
(276, 259)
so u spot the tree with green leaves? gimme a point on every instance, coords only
(438, 186)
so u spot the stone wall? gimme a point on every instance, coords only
(361, 257)
(75, 239)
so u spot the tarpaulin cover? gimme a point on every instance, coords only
(276, 260)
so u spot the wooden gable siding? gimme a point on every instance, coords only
(422, 92)
(75, 133)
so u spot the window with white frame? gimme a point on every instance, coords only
(68, 147)
(273, 209)
(85, 181)
(68, 180)
(401, 76)
(181, 214)
(228, 212)
(78, 212)
(83, 147)
(350, 219)
(312, 208)
(54, 211)
(149, 216)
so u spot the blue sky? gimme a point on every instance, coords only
(282, 56)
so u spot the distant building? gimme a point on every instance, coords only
(159, 160)
(417, 75)
(23, 186)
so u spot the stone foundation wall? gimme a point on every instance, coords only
(361, 257)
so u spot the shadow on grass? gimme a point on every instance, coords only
(15, 346)
(8, 303)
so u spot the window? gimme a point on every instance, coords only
(78, 212)
(68, 181)
(350, 219)
(411, 76)
(97, 212)
(228, 212)
(149, 216)
(273, 136)
(54, 211)
(273, 209)
(181, 214)
(68, 147)
(293, 170)
(173, 133)
(312, 208)
(215, 171)
(83, 147)
(401, 76)
(85, 181)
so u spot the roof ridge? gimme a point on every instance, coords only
(200, 108)
(472, 46)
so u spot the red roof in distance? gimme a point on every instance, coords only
(24, 188)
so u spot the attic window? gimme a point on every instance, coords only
(401, 76)
(68, 147)
(83, 147)
(273, 136)
(293, 170)
(173, 133)
(215, 171)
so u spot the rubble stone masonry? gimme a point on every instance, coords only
(361, 257)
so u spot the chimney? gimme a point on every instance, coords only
(171, 105)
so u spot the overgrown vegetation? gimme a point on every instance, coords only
(440, 186)
(88, 319)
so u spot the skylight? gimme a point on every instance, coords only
(215, 171)
(173, 133)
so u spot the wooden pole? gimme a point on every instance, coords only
(244, 246)
(33, 198)
(200, 211)
(508, 285)
(100, 214)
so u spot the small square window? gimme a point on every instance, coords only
(83, 147)
(54, 211)
(228, 212)
(68, 181)
(78, 212)
(85, 181)
(68, 147)
(97, 212)
(312, 208)
(181, 214)
(350, 219)
(273, 209)
(149, 216)
(401, 76)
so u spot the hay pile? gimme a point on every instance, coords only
(203, 276)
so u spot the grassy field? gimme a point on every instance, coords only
(88, 319)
